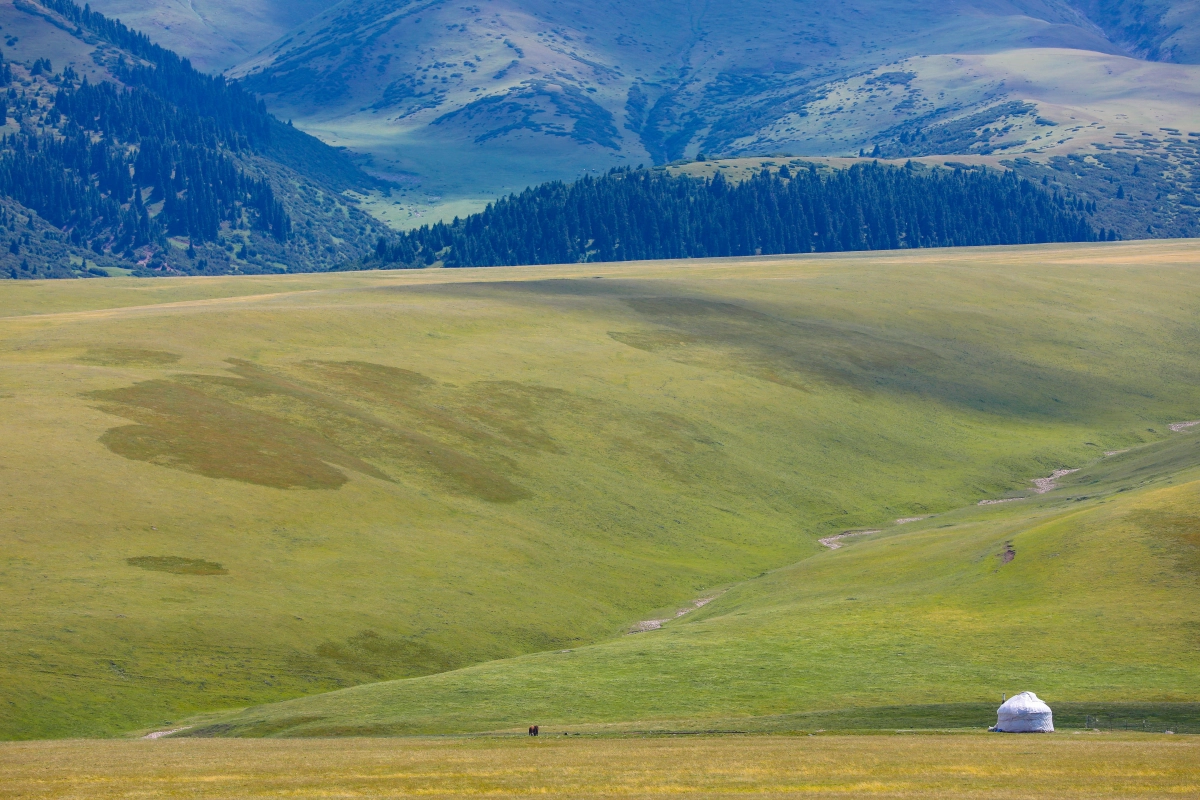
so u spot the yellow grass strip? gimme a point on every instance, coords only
(892, 766)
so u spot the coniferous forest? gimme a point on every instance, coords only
(163, 170)
(629, 215)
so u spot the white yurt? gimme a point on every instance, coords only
(1024, 713)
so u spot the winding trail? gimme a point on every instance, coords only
(655, 624)
(1040, 486)
(161, 734)
(834, 542)
(1043, 485)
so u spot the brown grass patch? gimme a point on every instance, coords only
(184, 428)
(1181, 532)
(263, 427)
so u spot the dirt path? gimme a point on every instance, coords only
(1043, 485)
(161, 734)
(1040, 486)
(834, 542)
(655, 624)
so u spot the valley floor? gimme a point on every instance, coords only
(1062, 765)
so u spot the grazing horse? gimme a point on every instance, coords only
(533, 730)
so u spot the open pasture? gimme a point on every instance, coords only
(223, 492)
(884, 766)
(1086, 595)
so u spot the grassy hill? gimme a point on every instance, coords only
(226, 491)
(1087, 595)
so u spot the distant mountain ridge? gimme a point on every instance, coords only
(461, 104)
(658, 83)
(508, 93)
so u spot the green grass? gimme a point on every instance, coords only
(1096, 609)
(408, 473)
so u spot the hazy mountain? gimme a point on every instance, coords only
(509, 92)
(562, 83)
(1158, 30)
(214, 34)
(467, 99)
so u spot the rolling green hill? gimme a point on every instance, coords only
(220, 492)
(1087, 595)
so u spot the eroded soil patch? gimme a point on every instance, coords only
(835, 542)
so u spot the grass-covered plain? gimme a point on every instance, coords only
(1087, 595)
(981, 766)
(223, 492)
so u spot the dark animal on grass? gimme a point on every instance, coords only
(533, 730)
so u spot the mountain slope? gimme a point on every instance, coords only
(214, 34)
(531, 81)
(1159, 30)
(462, 102)
(467, 100)
(127, 157)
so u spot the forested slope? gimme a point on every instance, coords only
(160, 168)
(628, 215)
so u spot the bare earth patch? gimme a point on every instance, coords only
(161, 734)
(834, 542)
(1177, 427)
(1040, 485)
(1043, 485)
(906, 520)
(655, 624)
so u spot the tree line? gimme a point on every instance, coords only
(633, 215)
